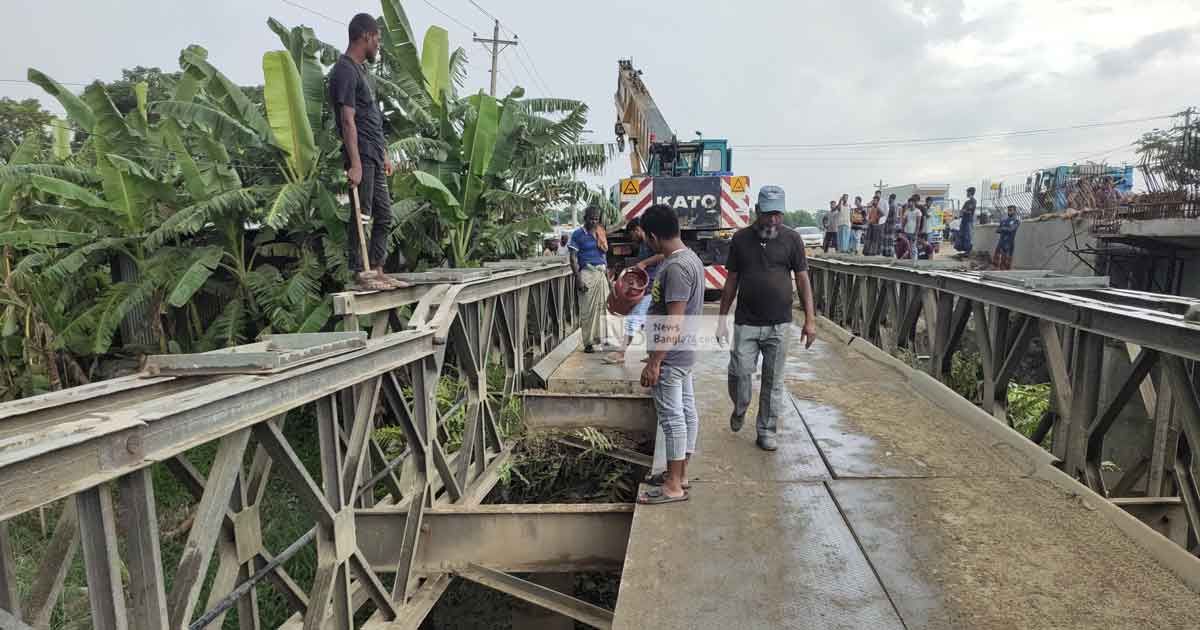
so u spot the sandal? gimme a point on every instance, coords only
(614, 358)
(657, 480)
(657, 497)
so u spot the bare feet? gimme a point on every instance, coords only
(395, 284)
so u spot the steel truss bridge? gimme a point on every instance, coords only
(419, 520)
(1136, 344)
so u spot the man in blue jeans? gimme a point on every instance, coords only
(764, 263)
(676, 302)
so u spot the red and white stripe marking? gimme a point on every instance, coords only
(714, 277)
(632, 206)
(735, 213)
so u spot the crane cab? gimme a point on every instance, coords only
(698, 158)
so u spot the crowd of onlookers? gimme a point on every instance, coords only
(895, 229)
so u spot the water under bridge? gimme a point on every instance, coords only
(892, 502)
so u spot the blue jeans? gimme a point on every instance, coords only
(675, 402)
(636, 319)
(748, 342)
(843, 238)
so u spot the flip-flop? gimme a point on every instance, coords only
(613, 359)
(657, 480)
(656, 497)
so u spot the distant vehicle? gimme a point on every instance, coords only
(812, 237)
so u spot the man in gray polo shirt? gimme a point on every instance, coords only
(676, 302)
(765, 260)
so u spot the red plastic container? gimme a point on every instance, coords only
(627, 290)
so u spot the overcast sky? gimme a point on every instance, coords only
(764, 74)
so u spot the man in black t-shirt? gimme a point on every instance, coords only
(765, 261)
(364, 151)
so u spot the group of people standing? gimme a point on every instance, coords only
(901, 230)
(882, 227)
(767, 267)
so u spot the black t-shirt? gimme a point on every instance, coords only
(349, 85)
(765, 275)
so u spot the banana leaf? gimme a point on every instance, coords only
(24, 154)
(110, 126)
(214, 122)
(400, 46)
(435, 62)
(76, 109)
(430, 188)
(507, 135)
(62, 139)
(292, 201)
(228, 95)
(66, 190)
(203, 263)
(479, 141)
(287, 113)
(187, 166)
(302, 44)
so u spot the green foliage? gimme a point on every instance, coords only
(1026, 405)
(19, 120)
(966, 373)
(799, 218)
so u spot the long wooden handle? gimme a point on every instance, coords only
(362, 239)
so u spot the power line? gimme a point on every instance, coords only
(32, 83)
(536, 71)
(484, 11)
(450, 17)
(949, 139)
(313, 11)
(534, 75)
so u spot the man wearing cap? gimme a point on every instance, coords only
(764, 263)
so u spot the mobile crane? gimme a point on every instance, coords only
(695, 178)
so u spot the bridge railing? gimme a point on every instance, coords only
(449, 350)
(1103, 349)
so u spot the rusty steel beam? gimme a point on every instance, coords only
(521, 538)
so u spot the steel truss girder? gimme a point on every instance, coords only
(1161, 331)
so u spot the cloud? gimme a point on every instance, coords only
(1145, 50)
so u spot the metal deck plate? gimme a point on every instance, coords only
(748, 555)
(272, 354)
(885, 430)
(1010, 553)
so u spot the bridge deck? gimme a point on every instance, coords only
(880, 510)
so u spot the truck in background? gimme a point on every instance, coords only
(943, 205)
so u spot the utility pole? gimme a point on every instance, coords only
(880, 186)
(495, 41)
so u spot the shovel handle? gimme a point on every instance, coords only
(362, 239)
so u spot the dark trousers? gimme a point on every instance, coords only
(830, 241)
(374, 202)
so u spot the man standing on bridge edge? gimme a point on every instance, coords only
(676, 303)
(764, 262)
(364, 152)
(589, 247)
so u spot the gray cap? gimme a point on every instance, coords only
(770, 199)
